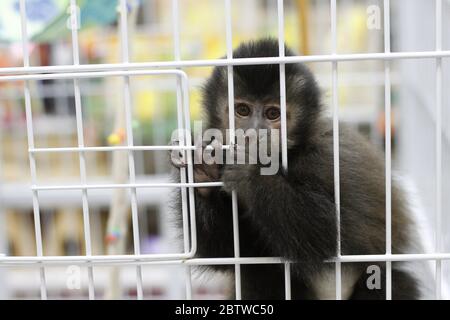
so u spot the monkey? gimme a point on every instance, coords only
(292, 214)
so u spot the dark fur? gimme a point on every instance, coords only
(292, 215)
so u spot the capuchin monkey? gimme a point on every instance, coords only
(292, 214)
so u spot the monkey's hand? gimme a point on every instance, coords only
(203, 172)
(177, 157)
(236, 175)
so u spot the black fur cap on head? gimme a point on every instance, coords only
(262, 82)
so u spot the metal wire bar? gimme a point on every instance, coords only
(336, 171)
(234, 199)
(80, 133)
(30, 136)
(287, 281)
(92, 74)
(180, 117)
(163, 259)
(281, 53)
(126, 185)
(52, 70)
(439, 97)
(284, 151)
(388, 157)
(118, 148)
(130, 141)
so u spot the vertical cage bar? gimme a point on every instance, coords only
(130, 142)
(184, 208)
(284, 152)
(4, 294)
(237, 267)
(335, 106)
(190, 172)
(3, 233)
(287, 281)
(30, 136)
(234, 203)
(388, 158)
(281, 53)
(438, 227)
(80, 132)
(188, 276)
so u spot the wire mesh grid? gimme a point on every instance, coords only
(126, 69)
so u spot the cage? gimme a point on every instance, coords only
(90, 93)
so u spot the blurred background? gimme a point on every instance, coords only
(202, 32)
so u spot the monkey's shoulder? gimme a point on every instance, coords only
(357, 156)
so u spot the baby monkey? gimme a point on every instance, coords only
(292, 214)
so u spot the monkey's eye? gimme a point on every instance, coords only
(242, 110)
(272, 113)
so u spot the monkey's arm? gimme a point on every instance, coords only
(214, 224)
(212, 210)
(297, 217)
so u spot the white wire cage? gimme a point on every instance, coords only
(186, 259)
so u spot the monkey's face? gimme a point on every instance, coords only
(256, 115)
(257, 95)
(261, 111)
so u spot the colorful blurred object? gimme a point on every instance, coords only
(47, 18)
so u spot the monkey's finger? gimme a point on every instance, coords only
(177, 159)
(207, 173)
(201, 176)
